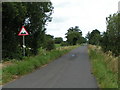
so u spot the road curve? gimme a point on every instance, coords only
(72, 70)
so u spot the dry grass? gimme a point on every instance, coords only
(105, 67)
(111, 61)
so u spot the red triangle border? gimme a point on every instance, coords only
(23, 34)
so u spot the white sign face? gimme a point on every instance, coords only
(23, 32)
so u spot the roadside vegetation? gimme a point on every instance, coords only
(42, 48)
(29, 64)
(57, 45)
(34, 20)
(109, 40)
(35, 23)
(104, 67)
(104, 52)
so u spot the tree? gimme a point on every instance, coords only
(94, 37)
(13, 15)
(30, 14)
(58, 40)
(64, 43)
(82, 40)
(88, 37)
(73, 35)
(110, 40)
(49, 42)
(39, 14)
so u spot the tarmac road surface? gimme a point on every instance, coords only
(72, 70)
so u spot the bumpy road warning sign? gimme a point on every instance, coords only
(23, 32)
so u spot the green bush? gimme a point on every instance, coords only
(49, 45)
(64, 43)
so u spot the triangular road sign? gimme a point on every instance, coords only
(23, 32)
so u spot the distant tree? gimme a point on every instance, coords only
(48, 36)
(88, 37)
(58, 40)
(82, 40)
(73, 35)
(49, 42)
(94, 37)
(64, 43)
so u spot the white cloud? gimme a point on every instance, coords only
(87, 14)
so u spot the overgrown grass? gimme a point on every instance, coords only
(105, 68)
(31, 63)
(0, 75)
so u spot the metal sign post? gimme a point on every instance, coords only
(23, 45)
(23, 33)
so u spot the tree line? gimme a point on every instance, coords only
(110, 39)
(34, 16)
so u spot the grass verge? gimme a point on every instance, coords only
(23, 67)
(105, 68)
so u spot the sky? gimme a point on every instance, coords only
(87, 14)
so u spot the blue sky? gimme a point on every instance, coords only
(87, 14)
